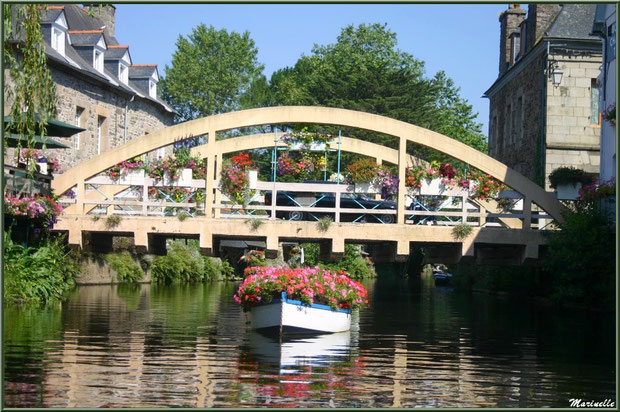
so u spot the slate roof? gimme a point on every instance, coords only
(85, 31)
(573, 22)
(141, 71)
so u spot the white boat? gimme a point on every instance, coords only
(289, 315)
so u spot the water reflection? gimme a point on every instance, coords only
(190, 346)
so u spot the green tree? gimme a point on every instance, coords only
(365, 71)
(211, 70)
(30, 90)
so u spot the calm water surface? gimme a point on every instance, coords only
(416, 346)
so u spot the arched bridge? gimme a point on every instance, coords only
(519, 229)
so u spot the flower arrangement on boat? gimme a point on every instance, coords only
(308, 285)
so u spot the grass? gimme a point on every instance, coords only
(112, 221)
(324, 223)
(254, 224)
(461, 231)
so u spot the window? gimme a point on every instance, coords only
(611, 42)
(523, 38)
(493, 136)
(98, 60)
(78, 123)
(152, 89)
(516, 47)
(161, 152)
(507, 126)
(58, 40)
(100, 122)
(519, 119)
(123, 73)
(595, 112)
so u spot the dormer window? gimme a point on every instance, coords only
(58, 34)
(123, 73)
(152, 88)
(98, 60)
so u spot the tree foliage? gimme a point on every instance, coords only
(365, 71)
(211, 70)
(31, 92)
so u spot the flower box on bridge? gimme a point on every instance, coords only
(289, 315)
(132, 177)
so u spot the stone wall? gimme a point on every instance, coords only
(517, 146)
(97, 101)
(573, 135)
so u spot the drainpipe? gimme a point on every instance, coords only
(126, 106)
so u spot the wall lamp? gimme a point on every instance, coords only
(554, 73)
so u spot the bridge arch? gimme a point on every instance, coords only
(310, 114)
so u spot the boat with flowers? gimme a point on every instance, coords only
(300, 300)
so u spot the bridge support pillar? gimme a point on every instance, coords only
(530, 254)
(206, 241)
(402, 251)
(331, 250)
(271, 252)
(141, 241)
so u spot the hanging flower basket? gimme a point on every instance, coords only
(131, 177)
(568, 191)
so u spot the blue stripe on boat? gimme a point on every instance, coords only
(314, 305)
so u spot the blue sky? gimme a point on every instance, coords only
(462, 40)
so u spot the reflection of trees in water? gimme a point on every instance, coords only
(30, 332)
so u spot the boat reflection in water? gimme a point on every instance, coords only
(295, 350)
(302, 371)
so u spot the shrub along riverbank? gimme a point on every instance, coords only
(38, 274)
(577, 267)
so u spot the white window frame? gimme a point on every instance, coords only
(123, 72)
(98, 60)
(160, 153)
(100, 121)
(58, 40)
(152, 88)
(79, 111)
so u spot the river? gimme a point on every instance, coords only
(416, 346)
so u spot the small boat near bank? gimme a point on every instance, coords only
(441, 277)
(293, 316)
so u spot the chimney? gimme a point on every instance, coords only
(539, 19)
(509, 23)
(105, 13)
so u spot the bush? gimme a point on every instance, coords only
(568, 176)
(112, 221)
(217, 269)
(461, 231)
(126, 269)
(581, 258)
(324, 223)
(352, 262)
(181, 264)
(37, 275)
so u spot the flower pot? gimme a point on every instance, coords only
(132, 177)
(185, 178)
(367, 188)
(568, 191)
(318, 146)
(43, 168)
(252, 178)
(431, 187)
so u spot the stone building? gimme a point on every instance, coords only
(98, 86)
(544, 106)
(605, 27)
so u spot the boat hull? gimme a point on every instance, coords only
(293, 316)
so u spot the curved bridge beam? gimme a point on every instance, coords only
(319, 115)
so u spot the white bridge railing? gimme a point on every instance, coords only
(144, 196)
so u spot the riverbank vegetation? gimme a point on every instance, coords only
(353, 261)
(183, 263)
(38, 275)
(577, 267)
(127, 270)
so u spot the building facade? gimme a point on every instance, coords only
(544, 106)
(98, 86)
(605, 27)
